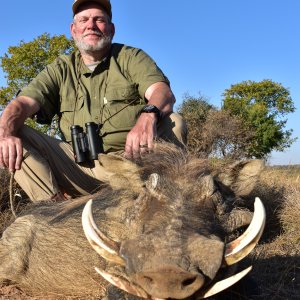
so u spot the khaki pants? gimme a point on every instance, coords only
(50, 170)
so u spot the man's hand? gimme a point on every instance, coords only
(140, 138)
(11, 153)
(12, 119)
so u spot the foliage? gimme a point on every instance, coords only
(212, 132)
(51, 130)
(195, 112)
(262, 106)
(23, 62)
(226, 136)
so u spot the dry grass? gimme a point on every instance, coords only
(6, 215)
(276, 260)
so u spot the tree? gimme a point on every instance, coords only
(226, 136)
(211, 132)
(25, 61)
(262, 106)
(195, 112)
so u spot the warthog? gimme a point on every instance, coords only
(162, 232)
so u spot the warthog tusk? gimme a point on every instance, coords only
(243, 245)
(123, 284)
(223, 284)
(104, 246)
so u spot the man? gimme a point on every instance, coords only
(119, 88)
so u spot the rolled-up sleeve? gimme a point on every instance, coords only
(144, 71)
(45, 90)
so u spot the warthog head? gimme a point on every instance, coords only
(177, 213)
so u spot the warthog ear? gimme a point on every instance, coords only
(241, 176)
(122, 173)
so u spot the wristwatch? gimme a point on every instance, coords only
(149, 108)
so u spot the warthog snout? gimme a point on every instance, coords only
(170, 282)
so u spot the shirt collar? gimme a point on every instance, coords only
(83, 69)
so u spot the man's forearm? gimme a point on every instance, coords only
(15, 114)
(160, 95)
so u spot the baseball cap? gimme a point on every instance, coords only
(104, 3)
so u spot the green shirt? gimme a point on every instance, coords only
(112, 95)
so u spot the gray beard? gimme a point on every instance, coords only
(101, 45)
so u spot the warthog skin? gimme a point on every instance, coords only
(170, 213)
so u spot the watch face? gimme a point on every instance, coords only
(150, 108)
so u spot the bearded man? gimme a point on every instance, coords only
(115, 90)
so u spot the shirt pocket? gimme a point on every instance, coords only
(121, 107)
(71, 114)
(127, 94)
(71, 104)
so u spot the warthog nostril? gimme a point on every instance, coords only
(188, 281)
(169, 282)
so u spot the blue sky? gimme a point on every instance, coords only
(203, 46)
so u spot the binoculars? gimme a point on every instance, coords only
(86, 145)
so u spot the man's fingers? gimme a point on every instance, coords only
(151, 141)
(12, 157)
(5, 156)
(128, 150)
(2, 164)
(19, 157)
(145, 143)
(11, 153)
(132, 149)
(136, 148)
(140, 139)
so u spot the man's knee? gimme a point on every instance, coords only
(173, 129)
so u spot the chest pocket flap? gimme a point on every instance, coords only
(122, 93)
